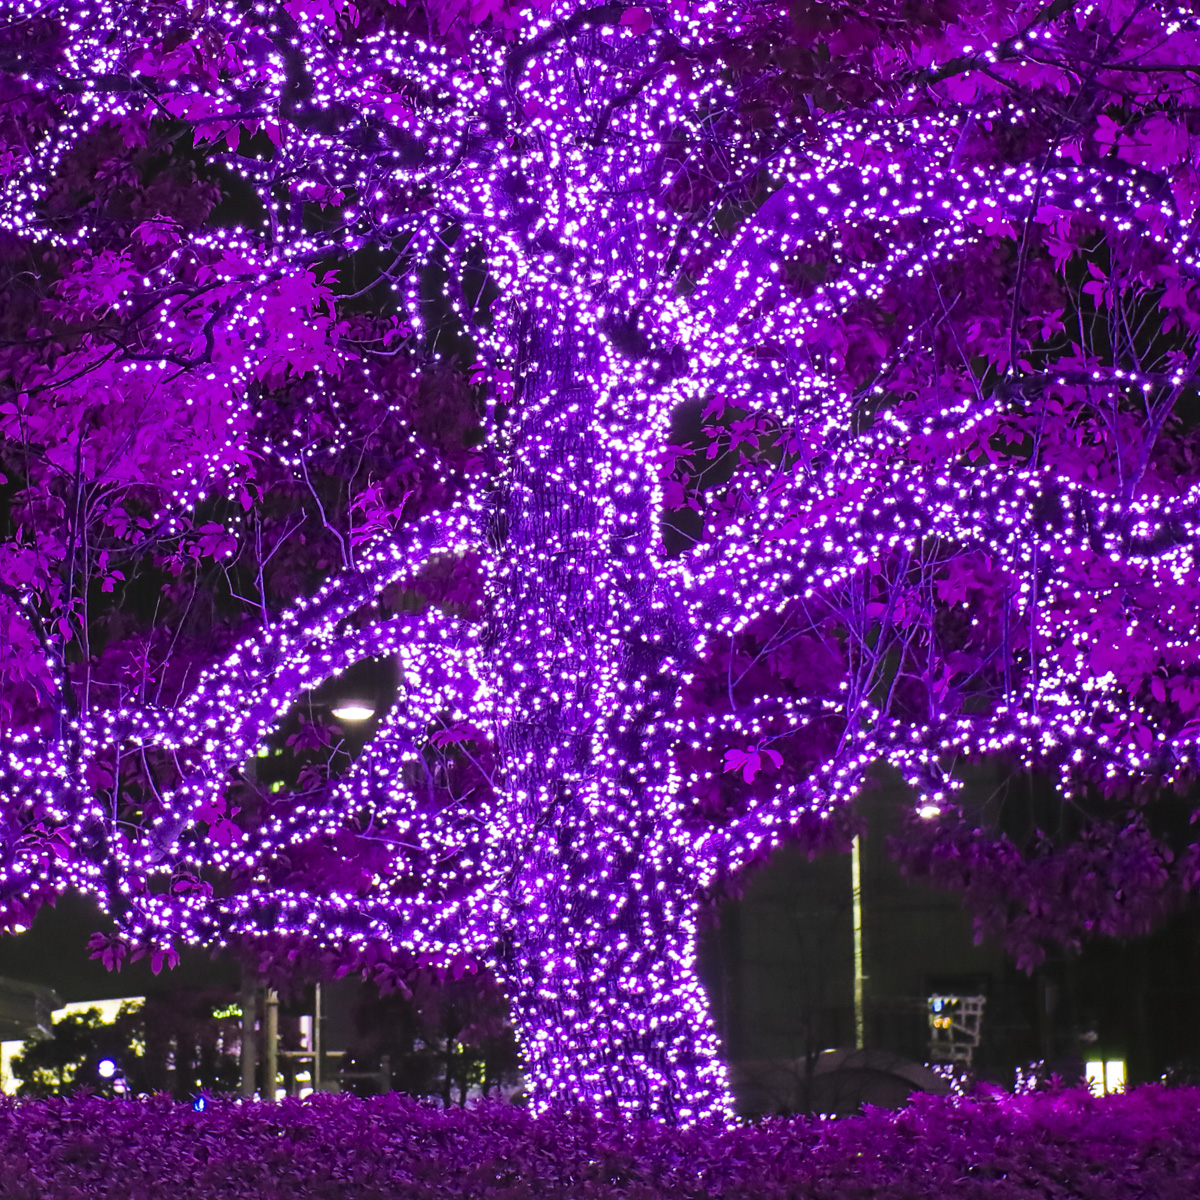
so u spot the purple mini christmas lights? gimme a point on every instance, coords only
(546, 150)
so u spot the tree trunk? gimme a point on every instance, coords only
(619, 1016)
(600, 965)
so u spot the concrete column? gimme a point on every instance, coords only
(316, 1038)
(271, 1066)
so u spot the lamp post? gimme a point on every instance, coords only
(352, 708)
(856, 894)
(271, 1066)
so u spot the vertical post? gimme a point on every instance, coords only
(316, 1038)
(271, 1066)
(856, 888)
(249, 1020)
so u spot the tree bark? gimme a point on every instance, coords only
(618, 1016)
(600, 962)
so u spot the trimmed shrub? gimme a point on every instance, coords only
(1060, 1143)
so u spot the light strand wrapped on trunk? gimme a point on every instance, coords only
(545, 152)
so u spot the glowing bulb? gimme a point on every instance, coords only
(353, 710)
(106, 1068)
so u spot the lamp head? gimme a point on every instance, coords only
(353, 710)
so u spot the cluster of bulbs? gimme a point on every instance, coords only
(573, 869)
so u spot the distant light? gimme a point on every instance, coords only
(928, 811)
(200, 1103)
(106, 1068)
(18, 928)
(353, 710)
(1104, 1078)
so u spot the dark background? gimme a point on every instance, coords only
(778, 964)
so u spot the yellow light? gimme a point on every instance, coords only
(1114, 1075)
(1105, 1078)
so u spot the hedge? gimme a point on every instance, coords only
(1061, 1143)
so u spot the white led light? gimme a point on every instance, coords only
(353, 711)
(579, 748)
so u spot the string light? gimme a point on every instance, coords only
(538, 160)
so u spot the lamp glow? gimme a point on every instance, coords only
(353, 711)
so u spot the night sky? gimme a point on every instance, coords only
(54, 954)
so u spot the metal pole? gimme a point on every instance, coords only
(249, 1020)
(316, 1039)
(271, 1072)
(856, 887)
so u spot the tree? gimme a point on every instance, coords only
(448, 1041)
(183, 1042)
(62, 1064)
(833, 375)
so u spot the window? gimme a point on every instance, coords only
(1104, 1078)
